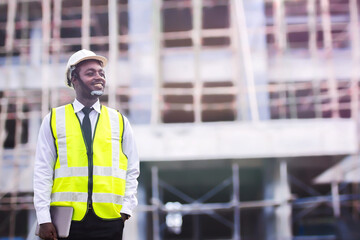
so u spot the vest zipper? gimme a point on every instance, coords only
(90, 183)
(90, 162)
(91, 167)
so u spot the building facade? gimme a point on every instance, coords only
(237, 107)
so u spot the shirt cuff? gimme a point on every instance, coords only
(126, 210)
(43, 216)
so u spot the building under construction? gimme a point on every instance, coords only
(245, 112)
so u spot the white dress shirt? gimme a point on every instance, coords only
(45, 159)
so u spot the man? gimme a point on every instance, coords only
(86, 158)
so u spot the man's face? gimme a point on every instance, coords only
(92, 76)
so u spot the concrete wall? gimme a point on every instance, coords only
(282, 138)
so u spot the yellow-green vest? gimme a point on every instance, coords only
(71, 173)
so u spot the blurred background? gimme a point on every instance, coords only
(245, 112)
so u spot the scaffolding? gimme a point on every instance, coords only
(37, 36)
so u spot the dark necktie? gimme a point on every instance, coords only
(86, 127)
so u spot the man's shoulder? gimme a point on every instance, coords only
(117, 111)
(62, 108)
(112, 109)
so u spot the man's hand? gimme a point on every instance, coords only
(47, 231)
(124, 216)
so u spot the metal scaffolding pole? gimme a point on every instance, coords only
(10, 26)
(85, 24)
(196, 38)
(56, 42)
(280, 25)
(113, 52)
(312, 25)
(158, 80)
(328, 48)
(241, 101)
(155, 202)
(281, 46)
(46, 11)
(236, 201)
(248, 65)
(282, 195)
(56, 47)
(335, 198)
(355, 53)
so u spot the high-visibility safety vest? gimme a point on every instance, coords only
(107, 162)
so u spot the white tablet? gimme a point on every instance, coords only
(61, 218)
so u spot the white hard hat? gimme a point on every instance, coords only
(80, 56)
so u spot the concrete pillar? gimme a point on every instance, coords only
(282, 195)
(268, 221)
(277, 220)
(142, 64)
(142, 216)
(255, 21)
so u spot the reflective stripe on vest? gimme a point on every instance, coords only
(71, 168)
(82, 197)
(84, 171)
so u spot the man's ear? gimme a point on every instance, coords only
(74, 79)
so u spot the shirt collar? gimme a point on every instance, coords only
(78, 106)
